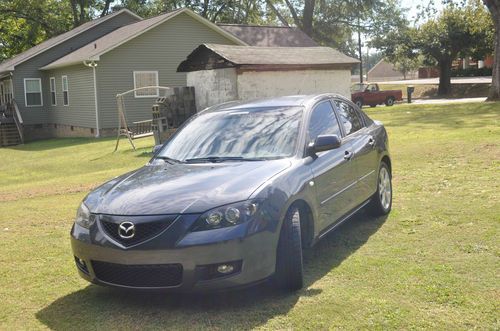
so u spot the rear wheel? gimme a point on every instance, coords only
(359, 103)
(389, 101)
(289, 255)
(381, 202)
(373, 106)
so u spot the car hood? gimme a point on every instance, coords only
(181, 188)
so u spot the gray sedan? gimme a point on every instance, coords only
(235, 196)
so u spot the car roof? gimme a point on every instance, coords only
(284, 101)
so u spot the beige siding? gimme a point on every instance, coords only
(160, 49)
(81, 109)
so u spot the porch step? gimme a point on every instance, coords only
(9, 136)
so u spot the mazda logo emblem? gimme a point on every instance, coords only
(126, 230)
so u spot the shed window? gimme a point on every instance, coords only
(53, 99)
(145, 79)
(33, 92)
(65, 89)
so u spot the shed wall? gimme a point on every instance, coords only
(263, 84)
(213, 86)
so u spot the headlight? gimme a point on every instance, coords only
(228, 215)
(83, 217)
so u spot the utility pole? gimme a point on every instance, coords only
(360, 53)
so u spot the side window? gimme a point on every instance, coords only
(323, 121)
(350, 118)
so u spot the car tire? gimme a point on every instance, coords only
(289, 268)
(359, 103)
(381, 202)
(373, 106)
(390, 101)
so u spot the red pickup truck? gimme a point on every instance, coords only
(370, 94)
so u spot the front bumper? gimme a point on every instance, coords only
(254, 253)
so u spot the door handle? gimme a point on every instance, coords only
(348, 155)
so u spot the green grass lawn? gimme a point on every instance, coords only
(433, 263)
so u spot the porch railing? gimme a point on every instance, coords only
(18, 119)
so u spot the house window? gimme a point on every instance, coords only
(65, 90)
(53, 97)
(2, 100)
(145, 79)
(33, 92)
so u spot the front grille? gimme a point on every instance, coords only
(147, 275)
(143, 231)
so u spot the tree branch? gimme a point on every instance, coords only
(276, 11)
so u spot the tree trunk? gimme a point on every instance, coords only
(307, 17)
(444, 76)
(494, 7)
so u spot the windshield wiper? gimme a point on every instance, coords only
(168, 159)
(215, 159)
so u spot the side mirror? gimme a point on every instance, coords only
(324, 143)
(156, 149)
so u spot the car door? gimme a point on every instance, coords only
(370, 95)
(332, 169)
(363, 145)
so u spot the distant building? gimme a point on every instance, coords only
(386, 71)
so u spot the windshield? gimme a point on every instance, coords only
(256, 133)
(358, 88)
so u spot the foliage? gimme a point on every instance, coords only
(432, 264)
(456, 31)
(23, 25)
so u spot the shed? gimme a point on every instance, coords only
(223, 73)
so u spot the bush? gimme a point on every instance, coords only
(471, 72)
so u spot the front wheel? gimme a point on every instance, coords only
(359, 103)
(381, 202)
(390, 101)
(289, 255)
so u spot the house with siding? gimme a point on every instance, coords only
(21, 78)
(71, 89)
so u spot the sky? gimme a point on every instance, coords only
(412, 6)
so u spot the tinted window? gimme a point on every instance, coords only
(350, 118)
(323, 121)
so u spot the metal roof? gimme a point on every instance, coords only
(270, 36)
(9, 65)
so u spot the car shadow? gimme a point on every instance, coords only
(247, 308)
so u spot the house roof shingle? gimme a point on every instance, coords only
(240, 56)
(93, 50)
(270, 36)
(8, 65)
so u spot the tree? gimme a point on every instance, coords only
(456, 31)
(25, 24)
(494, 8)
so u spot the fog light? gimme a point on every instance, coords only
(225, 269)
(81, 265)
